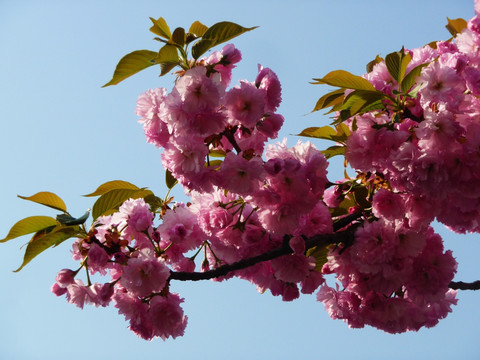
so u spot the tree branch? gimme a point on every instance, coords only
(317, 240)
(460, 285)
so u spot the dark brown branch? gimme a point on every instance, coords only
(318, 240)
(460, 285)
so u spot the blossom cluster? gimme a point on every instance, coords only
(250, 198)
(430, 153)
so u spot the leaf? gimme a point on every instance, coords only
(131, 64)
(411, 77)
(160, 28)
(113, 199)
(48, 199)
(39, 244)
(344, 79)
(154, 201)
(178, 37)
(333, 151)
(217, 34)
(198, 29)
(167, 57)
(170, 181)
(324, 132)
(30, 225)
(357, 100)
(456, 26)
(320, 255)
(111, 185)
(69, 220)
(330, 99)
(397, 64)
(378, 59)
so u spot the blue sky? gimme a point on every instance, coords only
(61, 132)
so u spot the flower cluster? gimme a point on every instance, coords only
(416, 159)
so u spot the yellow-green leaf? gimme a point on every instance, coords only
(113, 199)
(330, 99)
(198, 29)
(38, 244)
(324, 132)
(344, 79)
(455, 26)
(411, 77)
(160, 28)
(320, 254)
(358, 99)
(29, 225)
(167, 57)
(397, 64)
(333, 151)
(217, 34)
(111, 185)
(48, 199)
(131, 64)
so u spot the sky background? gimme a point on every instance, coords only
(62, 132)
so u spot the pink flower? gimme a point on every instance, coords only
(167, 316)
(388, 205)
(246, 104)
(268, 80)
(145, 275)
(240, 175)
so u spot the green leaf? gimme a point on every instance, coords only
(320, 255)
(113, 199)
(69, 220)
(112, 185)
(344, 79)
(357, 100)
(397, 64)
(343, 208)
(178, 37)
(167, 57)
(217, 34)
(330, 99)
(48, 199)
(170, 181)
(38, 244)
(217, 153)
(160, 28)
(456, 26)
(198, 29)
(324, 132)
(30, 225)
(411, 77)
(131, 64)
(154, 201)
(333, 151)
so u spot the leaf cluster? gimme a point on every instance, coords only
(174, 51)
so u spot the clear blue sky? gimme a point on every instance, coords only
(61, 132)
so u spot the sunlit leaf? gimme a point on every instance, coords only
(330, 99)
(48, 199)
(154, 201)
(111, 185)
(38, 244)
(411, 77)
(333, 151)
(456, 26)
(217, 34)
(324, 132)
(356, 101)
(344, 79)
(198, 29)
(160, 28)
(167, 57)
(111, 200)
(131, 64)
(397, 64)
(217, 153)
(29, 225)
